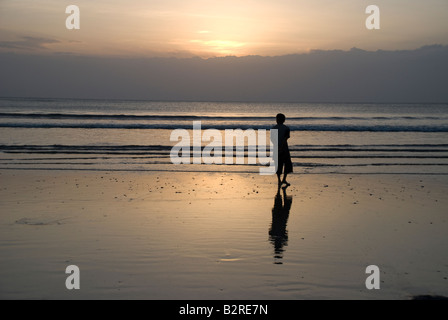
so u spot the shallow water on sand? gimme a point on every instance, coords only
(214, 236)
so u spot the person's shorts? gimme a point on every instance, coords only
(284, 162)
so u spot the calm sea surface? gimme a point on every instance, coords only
(138, 232)
(135, 135)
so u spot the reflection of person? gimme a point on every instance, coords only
(284, 157)
(278, 235)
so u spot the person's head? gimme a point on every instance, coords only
(280, 118)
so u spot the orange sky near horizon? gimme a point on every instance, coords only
(209, 28)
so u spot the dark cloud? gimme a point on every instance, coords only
(28, 43)
(356, 75)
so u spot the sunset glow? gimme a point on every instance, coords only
(215, 28)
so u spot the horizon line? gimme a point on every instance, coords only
(220, 101)
(171, 55)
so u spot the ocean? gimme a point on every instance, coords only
(123, 135)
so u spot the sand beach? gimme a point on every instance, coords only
(165, 235)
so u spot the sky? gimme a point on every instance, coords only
(214, 28)
(416, 76)
(226, 50)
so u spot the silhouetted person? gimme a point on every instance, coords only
(284, 157)
(278, 235)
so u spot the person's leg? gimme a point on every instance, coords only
(280, 168)
(287, 169)
(284, 179)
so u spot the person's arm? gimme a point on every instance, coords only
(283, 143)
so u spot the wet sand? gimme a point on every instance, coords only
(159, 235)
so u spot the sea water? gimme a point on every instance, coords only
(71, 134)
